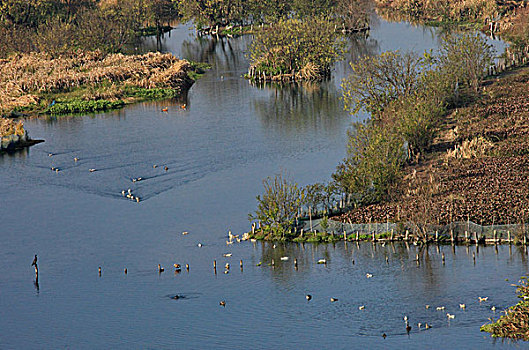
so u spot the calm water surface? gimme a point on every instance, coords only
(217, 151)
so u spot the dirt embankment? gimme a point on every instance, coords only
(478, 169)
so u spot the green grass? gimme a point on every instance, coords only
(198, 69)
(82, 106)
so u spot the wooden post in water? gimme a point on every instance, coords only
(344, 236)
(310, 218)
(406, 237)
(509, 236)
(436, 235)
(373, 236)
(391, 235)
(240, 262)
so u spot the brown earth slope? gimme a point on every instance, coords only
(478, 169)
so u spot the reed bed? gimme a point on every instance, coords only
(24, 78)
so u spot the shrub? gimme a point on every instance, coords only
(417, 120)
(307, 46)
(278, 206)
(372, 167)
(465, 58)
(378, 80)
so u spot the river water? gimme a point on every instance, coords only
(217, 151)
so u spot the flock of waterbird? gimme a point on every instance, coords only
(308, 297)
(125, 193)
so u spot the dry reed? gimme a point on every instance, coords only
(24, 76)
(10, 127)
(477, 147)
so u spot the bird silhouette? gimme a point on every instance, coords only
(34, 263)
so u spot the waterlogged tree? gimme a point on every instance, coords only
(278, 206)
(160, 12)
(308, 47)
(378, 80)
(209, 13)
(354, 14)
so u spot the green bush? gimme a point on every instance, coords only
(375, 154)
(308, 47)
(464, 58)
(278, 206)
(378, 80)
(81, 106)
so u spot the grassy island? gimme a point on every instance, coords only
(84, 82)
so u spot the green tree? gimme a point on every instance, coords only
(465, 58)
(372, 167)
(378, 80)
(209, 13)
(278, 206)
(307, 46)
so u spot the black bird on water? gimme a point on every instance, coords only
(34, 263)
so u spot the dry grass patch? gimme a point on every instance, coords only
(25, 78)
